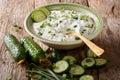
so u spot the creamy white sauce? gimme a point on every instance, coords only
(60, 22)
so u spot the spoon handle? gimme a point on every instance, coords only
(97, 50)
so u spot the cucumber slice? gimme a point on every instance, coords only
(71, 60)
(76, 70)
(90, 53)
(38, 15)
(60, 66)
(88, 62)
(100, 62)
(86, 77)
(45, 10)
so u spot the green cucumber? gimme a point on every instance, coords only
(86, 77)
(56, 55)
(71, 60)
(34, 50)
(38, 16)
(100, 62)
(60, 66)
(45, 10)
(88, 62)
(16, 49)
(76, 70)
(90, 53)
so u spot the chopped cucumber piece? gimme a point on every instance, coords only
(76, 70)
(38, 16)
(60, 66)
(88, 62)
(45, 10)
(90, 53)
(86, 77)
(71, 60)
(100, 62)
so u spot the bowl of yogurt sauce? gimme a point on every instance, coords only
(50, 24)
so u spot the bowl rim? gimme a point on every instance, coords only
(66, 42)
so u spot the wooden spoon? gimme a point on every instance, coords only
(97, 50)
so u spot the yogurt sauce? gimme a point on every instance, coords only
(62, 21)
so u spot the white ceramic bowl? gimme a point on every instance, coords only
(28, 24)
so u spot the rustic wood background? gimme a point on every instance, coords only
(14, 11)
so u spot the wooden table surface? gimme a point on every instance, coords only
(14, 12)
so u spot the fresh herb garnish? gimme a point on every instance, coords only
(40, 33)
(84, 17)
(83, 30)
(49, 31)
(68, 29)
(53, 16)
(74, 16)
(75, 26)
(60, 21)
(77, 38)
(42, 25)
(66, 16)
(42, 74)
(89, 26)
(53, 34)
(17, 27)
(62, 10)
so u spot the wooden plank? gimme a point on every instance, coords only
(110, 36)
(12, 12)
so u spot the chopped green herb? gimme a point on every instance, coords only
(42, 25)
(75, 26)
(16, 27)
(40, 33)
(68, 29)
(62, 10)
(89, 26)
(66, 16)
(53, 34)
(53, 16)
(49, 31)
(74, 16)
(84, 17)
(56, 24)
(60, 21)
(49, 24)
(83, 30)
(61, 31)
(62, 40)
(77, 38)
(73, 12)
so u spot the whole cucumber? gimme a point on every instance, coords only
(16, 49)
(34, 50)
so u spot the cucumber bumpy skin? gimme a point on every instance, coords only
(34, 50)
(16, 49)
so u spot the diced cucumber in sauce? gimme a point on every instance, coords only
(60, 66)
(86, 77)
(88, 62)
(100, 62)
(76, 70)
